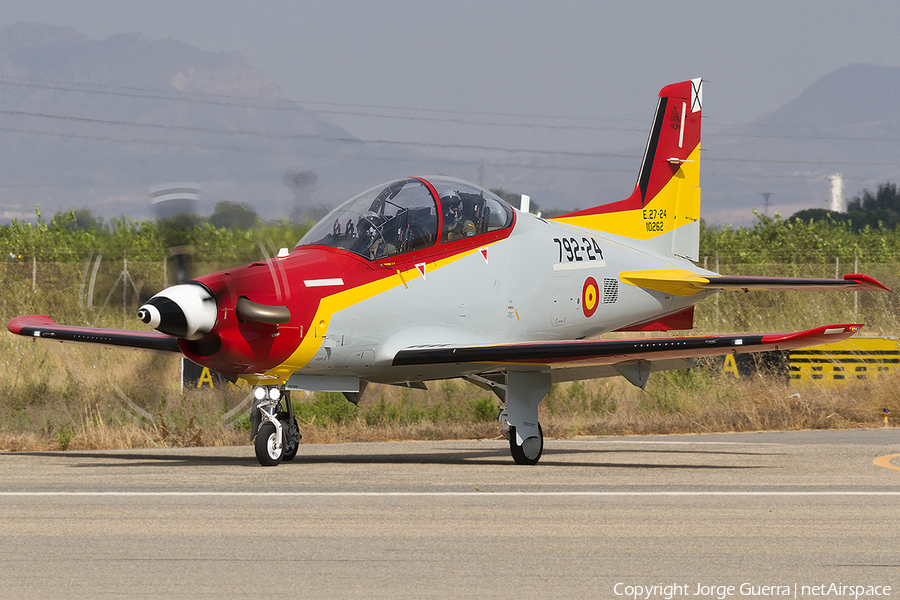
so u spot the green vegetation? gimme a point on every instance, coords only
(59, 396)
(73, 236)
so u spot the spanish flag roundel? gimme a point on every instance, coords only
(590, 297)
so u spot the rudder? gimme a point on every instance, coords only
(664, 209)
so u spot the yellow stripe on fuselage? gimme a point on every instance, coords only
(331, 305)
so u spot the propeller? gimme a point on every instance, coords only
(188, 310)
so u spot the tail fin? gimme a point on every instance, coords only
(664, 209)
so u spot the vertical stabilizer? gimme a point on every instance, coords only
(664, 209)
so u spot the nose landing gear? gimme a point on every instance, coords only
(276, 431)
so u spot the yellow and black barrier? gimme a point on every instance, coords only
(852, 360)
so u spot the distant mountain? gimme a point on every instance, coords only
(863, 96)
(97, 124)
(847, 122)
(87, 123)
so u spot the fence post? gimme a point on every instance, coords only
(124, 284)
(855, 293)
(33, 274)
(718, 322)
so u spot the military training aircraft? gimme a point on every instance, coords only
(429, 278)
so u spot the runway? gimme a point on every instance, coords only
(597, 518)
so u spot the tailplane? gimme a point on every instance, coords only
(664, 209)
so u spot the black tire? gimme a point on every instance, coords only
(291, 446)
(266, 453)
(518, 453)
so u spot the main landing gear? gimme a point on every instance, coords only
(274, 426)
(519, 414)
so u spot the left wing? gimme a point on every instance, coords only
(586, 359)
(42, 326)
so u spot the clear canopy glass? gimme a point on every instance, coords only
(403, 216)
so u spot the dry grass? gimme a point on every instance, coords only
(59, 396)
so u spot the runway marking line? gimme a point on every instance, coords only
(885, 461)
(439, 494)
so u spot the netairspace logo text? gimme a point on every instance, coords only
(750, 590)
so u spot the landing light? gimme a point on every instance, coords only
(262, 392)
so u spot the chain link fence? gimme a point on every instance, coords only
(760, 310)
(103, 291)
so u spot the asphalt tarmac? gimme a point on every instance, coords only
(710, 516)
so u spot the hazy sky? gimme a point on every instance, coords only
(593, 59)
(578, 75)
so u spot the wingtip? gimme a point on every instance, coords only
(817, 335)
(867, 283)
(17, 324)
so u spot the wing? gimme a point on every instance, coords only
(42, 326)
(632, 358)
(686, 283)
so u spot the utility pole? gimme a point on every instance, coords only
(766, 202)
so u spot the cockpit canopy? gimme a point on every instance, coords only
(407, 214)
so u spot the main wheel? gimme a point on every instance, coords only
(266, 452)
(529, 453)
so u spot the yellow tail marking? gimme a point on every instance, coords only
(677, 204)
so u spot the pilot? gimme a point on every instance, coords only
(372, 231)
(456, 224)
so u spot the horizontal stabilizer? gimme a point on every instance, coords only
(862, 283)
(42, 326)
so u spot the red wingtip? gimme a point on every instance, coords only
(866, 282)
(16, 325)
(810, 337)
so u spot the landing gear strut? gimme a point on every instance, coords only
(519, 415)
(276, 431)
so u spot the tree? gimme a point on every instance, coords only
(879, 209)
(874, 210)
(77, 220)
(233, 215)
(814, 215)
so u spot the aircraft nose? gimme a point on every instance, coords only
(186, 311)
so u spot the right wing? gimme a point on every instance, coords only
(43, 327)
(632, 358)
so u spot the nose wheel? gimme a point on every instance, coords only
(269, 447)
(277, 435)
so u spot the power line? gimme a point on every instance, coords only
(231, 101)
(351, 140)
